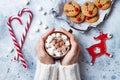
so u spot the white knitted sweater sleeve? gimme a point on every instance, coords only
(46, 72)
(70, 72)
(50, 72)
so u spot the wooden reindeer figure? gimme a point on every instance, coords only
(101, 46)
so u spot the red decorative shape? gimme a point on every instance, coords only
(101, 45)
(78, 18)
(99, 5)
(90, 12)
(76, 9)
(87, 18)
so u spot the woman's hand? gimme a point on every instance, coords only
(72, 56)
(41, 53)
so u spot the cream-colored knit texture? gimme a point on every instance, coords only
(51, 72)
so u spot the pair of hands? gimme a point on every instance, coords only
(70, 58)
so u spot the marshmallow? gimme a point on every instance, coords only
(49, 39)
(58, 54)
(37, 29)
(53, 48)
(39, 8)
(26, 2)
(50, 51)
(51, 44)
(64, 37)
(55, 51)
(53, 35)
(67, 43)
(10, 49)
(44, 13)
(57, 34)
(47, 45)
(40, 22)
(54, 13)
(45, 26)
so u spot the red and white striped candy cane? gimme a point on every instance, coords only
(26, 26)
(17, 46)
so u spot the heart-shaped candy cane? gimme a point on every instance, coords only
(18, 46)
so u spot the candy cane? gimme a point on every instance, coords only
(26, 27)
(27, 24)
(17, 46)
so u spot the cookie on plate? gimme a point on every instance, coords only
(91, 19)
(71, 8)
(89, 9)
(103, 4)
(78, 19)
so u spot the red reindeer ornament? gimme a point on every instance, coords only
(101, 46)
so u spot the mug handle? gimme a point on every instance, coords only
(70, 30)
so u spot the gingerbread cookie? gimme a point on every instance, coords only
(78, 19)
(71, 9)
(89, 9)
(103, 4)
(91, 19)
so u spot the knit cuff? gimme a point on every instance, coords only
(45, 72)
(70, 72)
